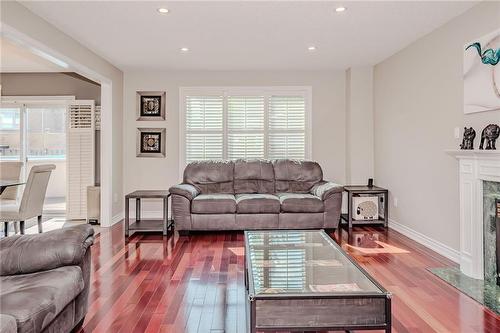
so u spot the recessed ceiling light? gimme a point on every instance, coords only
(311, 48)
(162, 10)
(184, 49)
(340, 9)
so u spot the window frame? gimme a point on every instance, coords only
(23, 102)
(266, 91)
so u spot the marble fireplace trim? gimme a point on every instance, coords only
(475, 166)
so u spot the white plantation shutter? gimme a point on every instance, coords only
(245, 117)
(204, 127)
(245, 112)
(287, 125)
(79, 157)
(203, 146)
(204, 113)
(287, 113)
(287, 145)
(229, 124)
(242, 145)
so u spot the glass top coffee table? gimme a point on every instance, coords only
(303, 280)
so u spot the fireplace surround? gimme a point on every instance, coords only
(476, 168)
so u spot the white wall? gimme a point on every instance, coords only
(20, 23)
(49, 84)
(328, 119)
(359, 125)
(418, 99)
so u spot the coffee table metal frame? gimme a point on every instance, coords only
(253, 297)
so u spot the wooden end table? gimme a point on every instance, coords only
(353, 190)
(147, 225)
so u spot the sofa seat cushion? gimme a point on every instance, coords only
(214, 204)
(35, 299)
(257, 204)
(300, 203)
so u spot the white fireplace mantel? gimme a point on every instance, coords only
(475, 166)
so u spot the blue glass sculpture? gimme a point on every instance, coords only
(488, 56)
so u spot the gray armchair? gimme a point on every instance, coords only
(45, 280)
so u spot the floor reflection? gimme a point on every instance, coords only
(367, 242)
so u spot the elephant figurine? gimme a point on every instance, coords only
(468, 140)
(490, 134)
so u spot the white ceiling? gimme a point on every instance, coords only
(235, 35)
(18, 59)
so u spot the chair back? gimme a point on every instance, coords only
(10, 171)
(34, 191)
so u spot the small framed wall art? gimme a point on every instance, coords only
(151, 142)
(151, 105)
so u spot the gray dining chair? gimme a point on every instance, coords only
(31, 204)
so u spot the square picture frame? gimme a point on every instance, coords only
(151, 105)
(150, 142)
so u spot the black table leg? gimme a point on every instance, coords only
(386, 209)
(137, 210)
(127, 217)
(349, 212)
(165, 216)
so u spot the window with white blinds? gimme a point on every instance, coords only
(287, 126)
(204, 128)
(245, 127)
(231, 124)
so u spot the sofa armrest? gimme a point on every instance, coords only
(33, 253)
(188, 191)
(325, 189)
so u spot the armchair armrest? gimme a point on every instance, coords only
(186, 190)
(325, 189)
(33, 253)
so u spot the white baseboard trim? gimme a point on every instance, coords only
(117, 218)
(431, 243)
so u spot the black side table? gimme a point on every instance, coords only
(353, 190)
(149, 225)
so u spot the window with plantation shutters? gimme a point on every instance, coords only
(233, 123)
(245, 127)
(204, 128)
(287, 126)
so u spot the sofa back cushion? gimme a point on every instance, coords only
(296, 176)
(210, 176)
(253, 176)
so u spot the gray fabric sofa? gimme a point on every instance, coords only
(255, 194)
(44, 280)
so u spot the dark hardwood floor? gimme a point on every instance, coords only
(195, 284)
